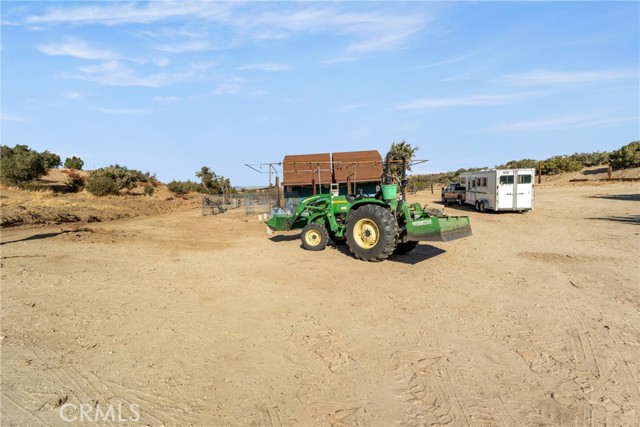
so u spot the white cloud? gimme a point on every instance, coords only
(349, 107)
(468, 101)
(11, 118)
(73, 95)
(114, 73)
(560, 123)
(270, 67)
(545, 77)
(380, 30)
(77, 48)
(165, 99)
(131, 13)
(230, 87)
(450, 60)
(124, 111)
(188, 46)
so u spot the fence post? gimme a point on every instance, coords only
(539, 172)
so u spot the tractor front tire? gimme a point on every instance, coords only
(314, 237)
(371, 233)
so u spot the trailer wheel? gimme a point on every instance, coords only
(405, 248)
(477, 206)
(460, 201)
(371, 233)
(481, 207)
(314, 237)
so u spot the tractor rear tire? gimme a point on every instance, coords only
(405, 248)
(371, 233)
(314, 237)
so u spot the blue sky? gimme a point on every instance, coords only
(168, 87)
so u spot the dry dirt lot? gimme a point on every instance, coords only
(206, 321)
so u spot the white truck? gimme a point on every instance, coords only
(500, 189)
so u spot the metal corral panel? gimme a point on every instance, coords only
(302, 169)
(360, 166)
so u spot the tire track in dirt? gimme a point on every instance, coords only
(334, 397)
(81, 386)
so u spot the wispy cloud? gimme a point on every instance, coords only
(188, 46)
(452, 60)
(73, 95)
(125, 111)
(545, 77)
(467, 101)
(77, 48)
(269, 67)
(349, 107)
(365, 32)
(11, 118)
(165, 99)
(130, 13)
(115, 73)
(561, 123)
(230, 87)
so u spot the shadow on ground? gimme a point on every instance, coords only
(46, 235)
(631, 219)
(626, 197)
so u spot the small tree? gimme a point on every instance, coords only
(73, 163)
(627, 156)
(20, 164)
(405, 149)
(51, 160)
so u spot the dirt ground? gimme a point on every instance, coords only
(207, 321)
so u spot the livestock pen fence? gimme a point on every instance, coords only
(253, 203)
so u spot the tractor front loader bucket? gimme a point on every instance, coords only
(438, 229)
(279, 221)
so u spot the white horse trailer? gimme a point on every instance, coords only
(500, 189)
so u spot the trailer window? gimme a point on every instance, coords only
(506, 179)
(524, 179)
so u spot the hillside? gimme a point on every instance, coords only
(29, 208)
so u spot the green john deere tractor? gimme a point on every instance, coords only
(372, 227)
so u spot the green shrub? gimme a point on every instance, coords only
(183, 187)
(560, 164)
(73, 163)
(627, 156)
(519, 164)
(20, 164)
(101, 183)
(148, 190)
(51, 161)
(596, 158)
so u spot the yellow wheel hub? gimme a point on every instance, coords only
(366, 233)
(313, 238)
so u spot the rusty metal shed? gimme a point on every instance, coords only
(357, 166)
(307, 169)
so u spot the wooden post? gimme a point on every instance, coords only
(540, 173)
(313, 184)
(432, 188)
(609, 172)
